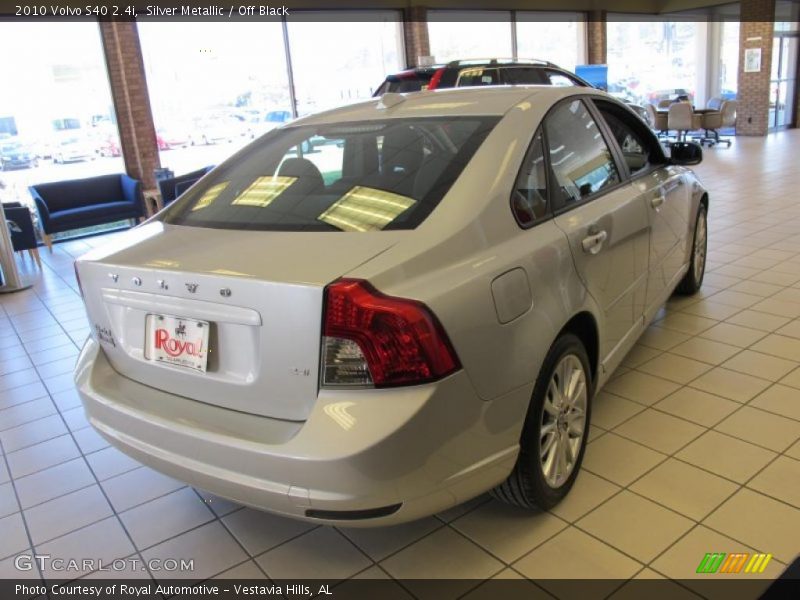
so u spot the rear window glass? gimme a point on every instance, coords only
(524, 76)
(364, 176)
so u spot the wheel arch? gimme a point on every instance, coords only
(583, 325)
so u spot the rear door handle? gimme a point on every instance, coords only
(594, 243)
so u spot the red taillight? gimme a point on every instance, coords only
(436, 79)
(382, 340)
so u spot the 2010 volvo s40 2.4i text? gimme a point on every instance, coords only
(419, 310)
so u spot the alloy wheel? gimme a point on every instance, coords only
(563, 421)
(700, 246)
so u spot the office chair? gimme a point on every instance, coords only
(728, 111)
(657, 121)
(681, 119)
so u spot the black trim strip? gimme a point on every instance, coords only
(353, 515)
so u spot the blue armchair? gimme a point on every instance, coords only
(66, 205)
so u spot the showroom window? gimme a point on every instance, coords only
(57, 119)
(213, 87)
(729, 60)
(458, 35)
(342, 57)
(557, 37)
(654, 61)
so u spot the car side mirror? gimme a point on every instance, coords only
(685, 153)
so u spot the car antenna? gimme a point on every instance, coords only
(390, 99)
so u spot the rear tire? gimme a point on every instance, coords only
(693, 280)
(555, 429)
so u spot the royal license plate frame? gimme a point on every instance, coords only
(177, 341)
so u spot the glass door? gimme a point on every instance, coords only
(783, 81)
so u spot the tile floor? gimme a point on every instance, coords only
(695, 445)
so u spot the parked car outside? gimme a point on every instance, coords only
(108, 145)
(259, 122)
(174, 136)
(216, 129)
(72, 148)
(14, 154)
(472, 73)
(671, 94)
(421, 312)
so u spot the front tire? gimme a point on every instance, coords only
(691, 282)
(556, 427)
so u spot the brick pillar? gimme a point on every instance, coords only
(755, 31)
(415, 32)
(596, 37)
(137, 133)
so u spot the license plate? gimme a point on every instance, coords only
(177, 341)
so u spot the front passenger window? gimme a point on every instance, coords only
(580, 158)
(634, 149)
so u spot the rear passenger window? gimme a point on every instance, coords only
(524, 76)
(580, 158)
(529, 198)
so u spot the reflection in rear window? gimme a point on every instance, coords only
(364, 176)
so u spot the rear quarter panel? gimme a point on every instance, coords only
(450, 261)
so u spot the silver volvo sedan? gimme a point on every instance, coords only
(417, 311)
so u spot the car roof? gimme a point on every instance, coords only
(450, 102)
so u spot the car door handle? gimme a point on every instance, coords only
(593, 243)
(658, 199)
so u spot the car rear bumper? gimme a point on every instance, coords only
(399, 453)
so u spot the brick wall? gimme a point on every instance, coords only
(755, 31)
(415, 31)
(131, 101)
(596, 37)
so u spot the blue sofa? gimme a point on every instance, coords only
(66, 205)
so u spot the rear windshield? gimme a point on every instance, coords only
(364, 176)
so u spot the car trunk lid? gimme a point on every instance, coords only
(260, 292)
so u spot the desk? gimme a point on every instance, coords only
(697, 111)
